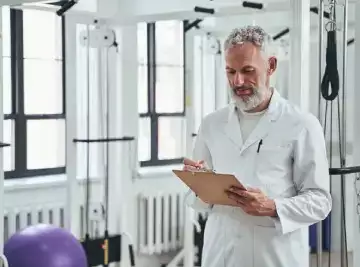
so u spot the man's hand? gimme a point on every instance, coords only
(253, 201)
(190, 165)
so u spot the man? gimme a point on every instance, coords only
(276, 150)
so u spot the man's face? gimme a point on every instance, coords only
(248, 73)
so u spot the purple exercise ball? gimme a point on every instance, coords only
(44, 246)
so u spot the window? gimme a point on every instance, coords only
(161, 92)
(34, 108)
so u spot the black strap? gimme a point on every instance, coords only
(331, 75)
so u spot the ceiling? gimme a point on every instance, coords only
(272, 21)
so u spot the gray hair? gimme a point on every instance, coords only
(254, 34)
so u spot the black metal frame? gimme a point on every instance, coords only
(18, 113)
(151, 113)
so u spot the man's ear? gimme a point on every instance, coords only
(272, 65)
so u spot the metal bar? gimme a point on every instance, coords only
(344, 170)
(17, 71)
(88, 101)
(321, 40)
(344, 259)
(344, 74)
(105, 140)
(2, 192)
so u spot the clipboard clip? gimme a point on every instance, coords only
(203, 170)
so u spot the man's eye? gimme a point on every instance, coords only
(248, 70)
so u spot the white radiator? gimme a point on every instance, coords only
(19, 218)
(160, 222)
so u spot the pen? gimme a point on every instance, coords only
(260, 143)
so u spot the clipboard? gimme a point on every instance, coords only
(210, 187)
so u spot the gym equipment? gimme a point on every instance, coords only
(329, 91)
(4, 261)
(105, 249)
(66, 6)
(330, 88)
(44, 246)
(314, 10)
(331, 80)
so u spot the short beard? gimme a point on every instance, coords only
(259, 96)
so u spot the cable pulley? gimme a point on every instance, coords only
(106, 249)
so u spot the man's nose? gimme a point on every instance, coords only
(238, 79)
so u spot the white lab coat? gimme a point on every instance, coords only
(291, 168)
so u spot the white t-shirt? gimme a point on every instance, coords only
(248, 122)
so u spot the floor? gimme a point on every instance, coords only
(335, 260)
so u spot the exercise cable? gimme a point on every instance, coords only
(329, 90)
(331, 75)
(105, 249)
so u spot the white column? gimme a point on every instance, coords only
(124, 122)
(299, 75)
(209, 73)
(221, 83)
(356, 142)
(190, 129)
(72, 218)
(299, 85)
(189, 92)
(1, 150)
(197, 80)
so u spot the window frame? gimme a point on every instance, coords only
(151, 91)
(17, 98)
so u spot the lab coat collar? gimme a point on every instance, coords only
(233, 130)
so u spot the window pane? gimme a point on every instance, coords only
(6, 31)
(142, 42)
(142, 89)
(7, 85)
(43, 86)
(45, 144)
(171, 137)
(169, 43)
(169, 89)
(144, 145)
(42, 34)
(9, 152)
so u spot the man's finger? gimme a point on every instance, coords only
(239, 187)
(249, 195)
(253, 190)
(190, 168)
(238, 199)
(244, 194)
(189, 162)
(193, 163)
